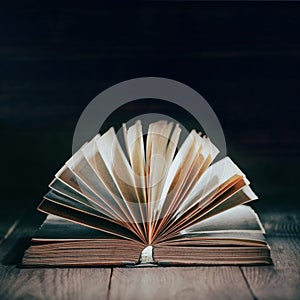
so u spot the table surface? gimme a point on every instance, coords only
(278, 281)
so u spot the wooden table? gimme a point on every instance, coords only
(278, 281)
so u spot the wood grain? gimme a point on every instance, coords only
(18, 239)
(179, 283)
(53, 283)
(8, 222)
(281, 224)
(280, 281)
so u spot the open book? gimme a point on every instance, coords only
(150, 202)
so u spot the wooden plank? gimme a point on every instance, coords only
(12, 248)
(179, 283)
(8, 222)
(53, 283)
(281, 280)
(281, 224)
(45, 283)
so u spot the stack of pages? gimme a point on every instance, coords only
(151, 202)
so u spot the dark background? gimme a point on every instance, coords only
(243, 58)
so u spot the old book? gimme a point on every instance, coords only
(153, 201)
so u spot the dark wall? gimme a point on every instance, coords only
(244, 58)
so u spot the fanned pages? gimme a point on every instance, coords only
(155, 201)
